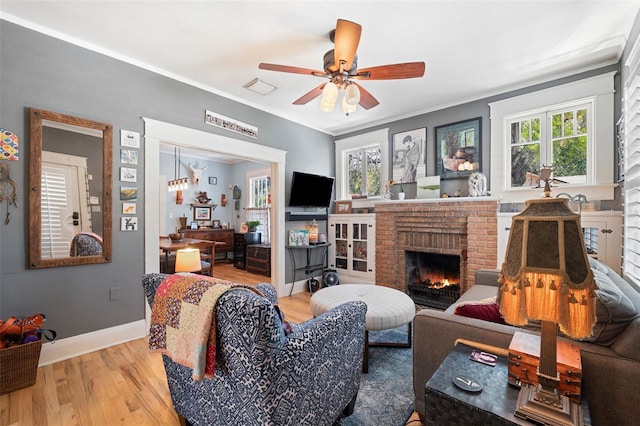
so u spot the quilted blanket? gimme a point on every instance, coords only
(183, 320)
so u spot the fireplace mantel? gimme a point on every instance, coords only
(464, 226)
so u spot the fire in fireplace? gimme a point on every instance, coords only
(433, 279)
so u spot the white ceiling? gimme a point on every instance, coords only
(472, 49)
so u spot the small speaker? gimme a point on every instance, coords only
(330, 278)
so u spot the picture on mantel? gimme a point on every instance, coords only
(409, 152)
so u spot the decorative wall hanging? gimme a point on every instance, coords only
(409, 155)
(129, 156)
(218, 120)
(8, 190)
(458, 148)
(8, 145)
(129, 138)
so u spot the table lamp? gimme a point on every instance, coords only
(188, 260)
(546, 276)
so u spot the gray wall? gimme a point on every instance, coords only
(44, 72)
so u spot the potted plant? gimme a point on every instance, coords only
(252, 225)
(401, 193)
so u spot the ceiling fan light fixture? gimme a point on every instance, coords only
(327, 105)
(329, 97)
(347, 108)
(352, 94)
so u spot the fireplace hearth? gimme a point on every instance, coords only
(434, 297)
(433, 279)
(453, 226)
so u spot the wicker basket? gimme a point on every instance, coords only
(19, 366)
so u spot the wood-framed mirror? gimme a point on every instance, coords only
(70, 190)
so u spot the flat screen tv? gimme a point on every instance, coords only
(308, 190)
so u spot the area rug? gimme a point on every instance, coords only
(386, 391)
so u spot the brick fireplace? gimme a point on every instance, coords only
(465, 227)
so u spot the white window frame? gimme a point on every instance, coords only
(631, 114)
(598, 90)
(258, 213)
(546, 140)
(375, 139)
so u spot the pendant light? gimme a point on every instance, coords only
(177, 184)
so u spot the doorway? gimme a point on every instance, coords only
(157, 132)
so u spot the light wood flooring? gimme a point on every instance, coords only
(123, 384)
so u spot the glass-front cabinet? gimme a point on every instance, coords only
(352, 250)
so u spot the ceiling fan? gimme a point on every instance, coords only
(341, 67)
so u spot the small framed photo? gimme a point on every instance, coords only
(129, 223)
(216, 224)
(128, 193)
(129, 156)
(202, 213)
(343, 207)
(128, 174)
(193, 225)
(129, 138)
(244, 228)
(128, 208)
(213, 180)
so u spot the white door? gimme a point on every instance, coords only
(64, 202)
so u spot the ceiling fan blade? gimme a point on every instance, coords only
(347, 38)
(367, 101)
(294, 70)
(391, 72)
(309, 96)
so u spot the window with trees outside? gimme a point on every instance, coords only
(569, 127)
(362, 164)
(363, 171)
(559, 138)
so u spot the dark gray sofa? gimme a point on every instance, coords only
(611, 368)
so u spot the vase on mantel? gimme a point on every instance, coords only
(401, 195)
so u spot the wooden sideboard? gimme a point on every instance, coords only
(219, 235)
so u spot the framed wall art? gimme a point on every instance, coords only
(458, 148)
(408, 156)
(343, 207)
(202, 213)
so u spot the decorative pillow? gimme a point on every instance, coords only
(614, 310)
(485, 309)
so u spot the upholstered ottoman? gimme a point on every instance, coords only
(386, 308)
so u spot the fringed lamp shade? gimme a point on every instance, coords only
(546, 274)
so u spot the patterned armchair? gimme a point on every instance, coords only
(86, 244)
(267, 377)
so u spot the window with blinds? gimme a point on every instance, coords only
(259, 205)
(64, 206)
(262, 214)
(631, 111)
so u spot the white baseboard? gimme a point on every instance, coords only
(70, 347)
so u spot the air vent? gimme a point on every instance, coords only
(259, 86)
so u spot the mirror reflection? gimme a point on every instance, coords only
(70, 199)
